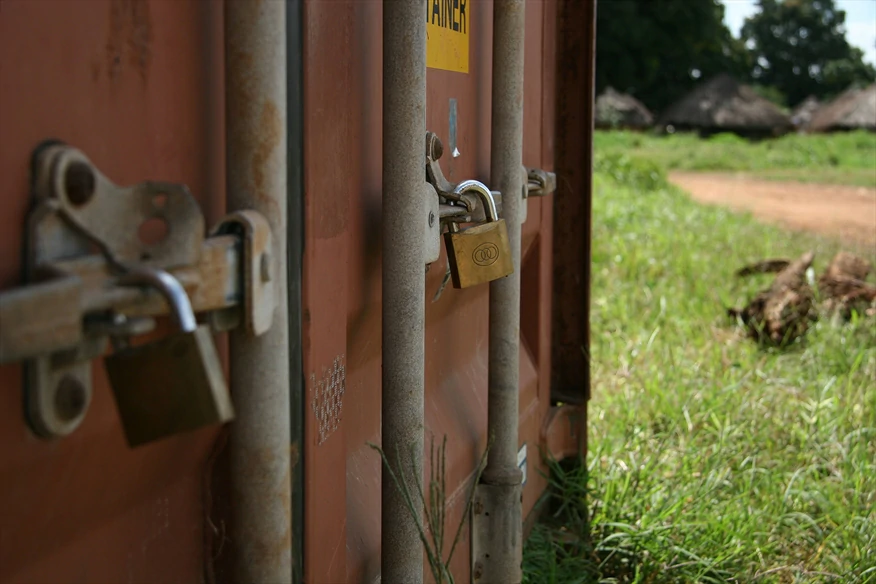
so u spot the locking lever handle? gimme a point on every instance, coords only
(484, 193)
(167, 286)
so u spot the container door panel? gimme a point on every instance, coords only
(342, 278)
(136, 85)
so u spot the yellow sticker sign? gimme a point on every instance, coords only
(448, 23)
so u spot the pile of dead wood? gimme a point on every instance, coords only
(783, 312)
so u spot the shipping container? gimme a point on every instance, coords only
(159, 90)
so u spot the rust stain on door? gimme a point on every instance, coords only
(126, 81)
(130, 38)
(270, 134)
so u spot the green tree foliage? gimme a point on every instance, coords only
(658, 50)
(771, 93)
(800, 48)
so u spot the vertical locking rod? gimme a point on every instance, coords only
(404, 287)
(501, 481)
(256, 172)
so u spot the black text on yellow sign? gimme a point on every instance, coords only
(448, 23)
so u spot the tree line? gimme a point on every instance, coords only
(658, 50)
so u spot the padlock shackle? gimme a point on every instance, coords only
(484, 193)
(169, 287)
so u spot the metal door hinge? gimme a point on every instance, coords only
(536, 183)
(83, 234)
(540, 183)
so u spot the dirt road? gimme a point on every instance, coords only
(844, 211)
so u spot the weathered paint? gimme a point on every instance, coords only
(137, 85)
(343, 473)
(572, 228)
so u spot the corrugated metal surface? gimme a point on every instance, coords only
(342, 260)
(137, 84)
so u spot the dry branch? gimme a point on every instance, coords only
(784, 311)
(781, 313)
(844, 288)
(764, 267)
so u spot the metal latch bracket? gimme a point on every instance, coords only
(83, 232)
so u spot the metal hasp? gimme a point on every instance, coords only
(456, 205)
(497, 537)
(256, 178)
(477, 254)
(86, 238)
(404, 286)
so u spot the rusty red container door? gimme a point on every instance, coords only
(342, 318)
(137, 85)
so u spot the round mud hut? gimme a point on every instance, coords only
(616, 111)
(853, 109)
(801, 116)
(722, 104)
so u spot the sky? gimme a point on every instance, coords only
(860, 21)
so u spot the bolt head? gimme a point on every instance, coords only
(434, 147)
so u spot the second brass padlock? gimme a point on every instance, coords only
(481, 253)
(172, 385)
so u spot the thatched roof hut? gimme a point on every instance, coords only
(722, 104)
(853, 109)
(619, 110)
(801, 116)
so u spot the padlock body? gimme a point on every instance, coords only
(169, 386)
(479, 254)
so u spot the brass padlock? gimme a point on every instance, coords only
(172, 385)
(481, 253)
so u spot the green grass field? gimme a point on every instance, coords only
(710, 460)
(835, 159)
